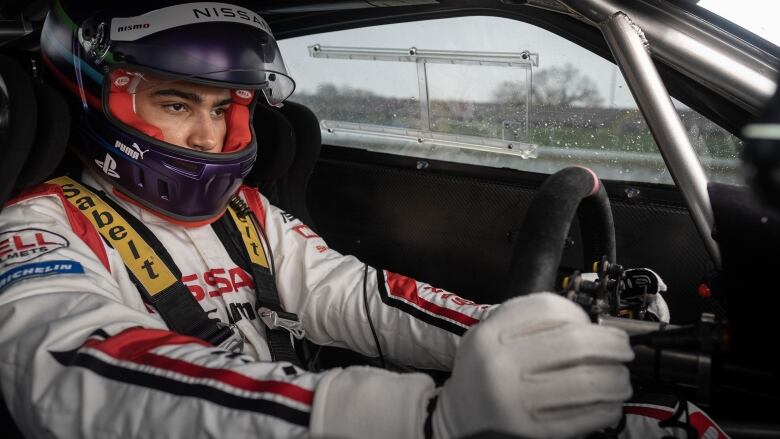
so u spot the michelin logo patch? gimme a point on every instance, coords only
(17, 246)
(38, 269)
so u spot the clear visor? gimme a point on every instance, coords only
(275, 87)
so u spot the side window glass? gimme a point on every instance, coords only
(717, 149)
(487, 91)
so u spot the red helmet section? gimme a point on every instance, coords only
(120, 104)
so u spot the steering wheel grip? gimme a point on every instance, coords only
(538, 250)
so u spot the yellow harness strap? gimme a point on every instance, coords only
(249, 237)
(154, 278)
(137, 255)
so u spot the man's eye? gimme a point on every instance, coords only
(219, 112)
(176, 108)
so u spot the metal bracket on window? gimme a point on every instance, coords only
(523, 59)
(512, 146)
(431, 139)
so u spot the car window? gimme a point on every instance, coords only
(488, 91)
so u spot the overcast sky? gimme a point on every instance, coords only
(399, 79)
(759, 16)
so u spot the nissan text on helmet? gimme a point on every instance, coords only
(112, 59)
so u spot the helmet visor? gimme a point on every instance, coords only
(274, 86)
(230, 49)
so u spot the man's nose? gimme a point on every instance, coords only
(203, 134)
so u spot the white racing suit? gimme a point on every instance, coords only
(81, 354)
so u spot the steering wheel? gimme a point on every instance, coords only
(538, 250)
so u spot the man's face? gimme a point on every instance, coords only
(189, 115)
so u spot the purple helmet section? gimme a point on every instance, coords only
(174, 181)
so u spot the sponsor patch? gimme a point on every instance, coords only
(122, 81)
(286, 217)
(305, 231)
(134, 153)
(133, 28)
(108, 166)
(244, 94)
(38, 269)
(17, 246)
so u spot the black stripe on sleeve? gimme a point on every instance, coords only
(168, 385)
(99, 333)
(409, 309)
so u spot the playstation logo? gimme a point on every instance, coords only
(108, 165)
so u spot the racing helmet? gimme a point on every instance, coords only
(105, 57)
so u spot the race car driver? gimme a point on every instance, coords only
(97, 340)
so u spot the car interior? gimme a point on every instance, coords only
(491, 232)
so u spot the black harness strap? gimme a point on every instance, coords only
(151, 267)
(239, 233)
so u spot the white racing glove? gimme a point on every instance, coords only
(536, 367)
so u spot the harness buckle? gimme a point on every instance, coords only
(285, 320)
(234, 343)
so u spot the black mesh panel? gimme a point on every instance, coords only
(454, 231)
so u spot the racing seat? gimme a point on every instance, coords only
(34, 128)
(275, 151)
(289, 143)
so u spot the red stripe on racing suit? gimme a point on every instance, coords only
(432, 300)
(644, 419)
(137, 345)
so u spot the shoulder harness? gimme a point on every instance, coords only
(158, 279)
